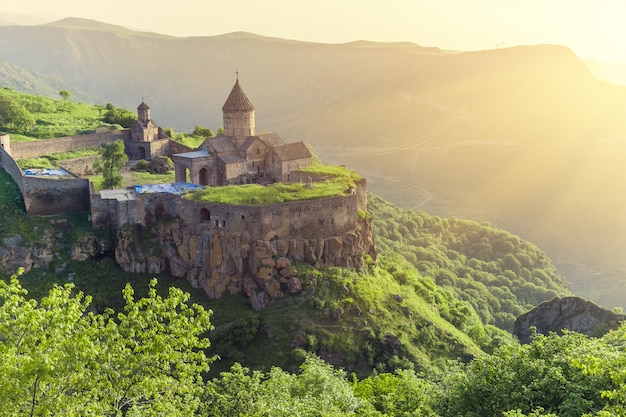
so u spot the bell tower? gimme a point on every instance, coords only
(238, 114)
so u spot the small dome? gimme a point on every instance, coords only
(143, 106)
(237, 100)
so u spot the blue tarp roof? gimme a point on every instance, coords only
(43, 172)
(171, 188)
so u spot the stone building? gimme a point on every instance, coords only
(146, 140)
(239, 156)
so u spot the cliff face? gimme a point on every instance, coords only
(16, 253)
(221, 262)
(571, 313)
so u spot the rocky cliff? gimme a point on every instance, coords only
(571, 313)
(221, 262)
(16, 253)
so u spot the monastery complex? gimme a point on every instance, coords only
(219, 247)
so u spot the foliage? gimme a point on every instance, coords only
(317, 390)
(14, 117)
(122, 117)
(499, 275)
(65, 95)
(141, 165)
(397, 395)
(111, 160)
(53, 118)
(204, 132)
(58, 358)
(552, 374)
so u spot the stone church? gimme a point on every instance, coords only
(146, 140)
(239, 156)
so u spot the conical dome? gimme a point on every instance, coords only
(237, 100)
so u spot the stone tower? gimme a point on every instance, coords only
(238, 113)
(143, 112)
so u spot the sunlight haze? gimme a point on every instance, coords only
(592, 29)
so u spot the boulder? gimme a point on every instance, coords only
(567, 313)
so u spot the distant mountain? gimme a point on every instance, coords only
(614, 72)
(525, 137)
(29, 82)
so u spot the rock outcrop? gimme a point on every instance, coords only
(570, 313)
(16, 253)
(222, 262)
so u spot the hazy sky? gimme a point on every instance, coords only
(592, 28)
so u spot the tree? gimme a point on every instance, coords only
(568, 375)
(318, 390)
(204, 132)
(109, 163)
(399, 394)
(65, 94)
(122, 117)
(14, 116)
(56, 358)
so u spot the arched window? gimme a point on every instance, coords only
(205, 215)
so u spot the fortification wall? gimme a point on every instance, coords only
(79, 166)
(5, 142)
(39, 148)
(44, 196)
(10, 166)
(235, 249)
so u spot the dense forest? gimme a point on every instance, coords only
(423, 330)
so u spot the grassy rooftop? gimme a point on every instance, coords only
(338, 182)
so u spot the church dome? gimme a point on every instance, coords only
(237, 100)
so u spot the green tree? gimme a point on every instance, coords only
(65, 95)
(553, 373)
(318, 390)
(109, 163)
(397, 395)
(56, 358)
(14, 116)
(122, 117)
(204, 132)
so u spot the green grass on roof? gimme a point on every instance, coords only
(334, 170)
(254, 194)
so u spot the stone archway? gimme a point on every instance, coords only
(203, 177)
(140, 153)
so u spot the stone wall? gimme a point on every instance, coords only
(39, 148)
(45, 196)
(176, 147)
(235, 248)
(10, 166)
(79, 166)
